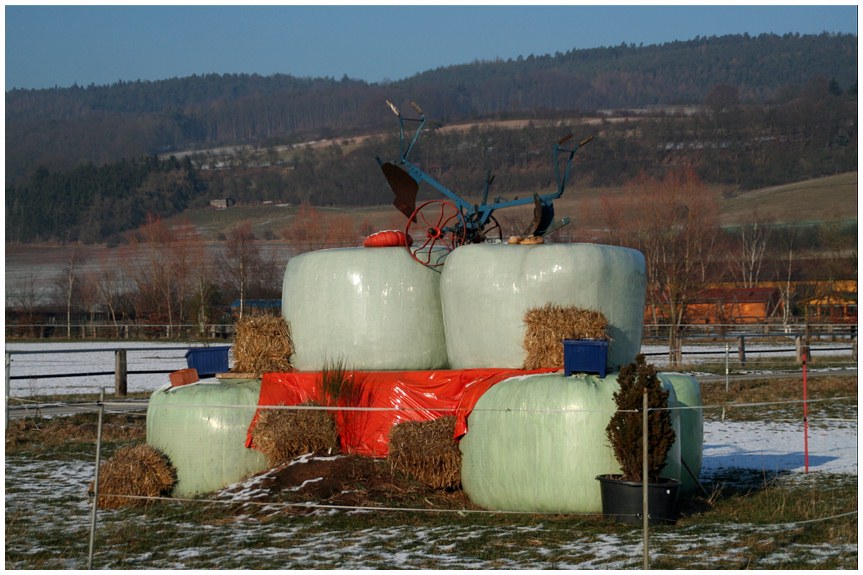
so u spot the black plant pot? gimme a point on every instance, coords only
(622, 500)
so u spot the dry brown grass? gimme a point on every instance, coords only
(132, 473)
(283, 434)
(262, 344)
(426, 451)
(546, 328)
(79, 428)
(779, 389)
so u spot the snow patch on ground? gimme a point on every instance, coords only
(779, 446)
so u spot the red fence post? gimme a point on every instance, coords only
(805, 421)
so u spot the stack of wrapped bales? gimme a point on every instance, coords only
(533, 443)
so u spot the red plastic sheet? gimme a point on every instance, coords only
(391, 397)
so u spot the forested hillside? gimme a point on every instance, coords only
(66, 126)
(742, 111)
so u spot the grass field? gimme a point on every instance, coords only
(748, 518)
(830, 198)
(823, 199)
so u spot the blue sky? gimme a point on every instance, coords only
(64, 45)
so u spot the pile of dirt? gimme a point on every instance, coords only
(342, 481)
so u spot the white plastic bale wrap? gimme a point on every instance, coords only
(202, 429)
(370, 308)
(487, 288)
(536, 443)
(688, 395)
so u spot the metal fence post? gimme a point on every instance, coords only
(8, 388)
(727, 359)
(96, 480)
(644, 479)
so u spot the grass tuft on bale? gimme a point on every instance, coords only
(341, 387)
(134, 472)
(283, 434)
(262, 344)
(426, 451)
(546, 328)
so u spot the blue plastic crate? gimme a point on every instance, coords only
(208, 361)
(585, 356)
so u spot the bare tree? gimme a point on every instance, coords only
(148, 264)
(305, 231)
(340, 231)
(754, 237)
(29, 296)
(202, 272)
(673, 222)
(241, 260)
(788, 241)
(108, 283)
(67, 282)
(87, 295)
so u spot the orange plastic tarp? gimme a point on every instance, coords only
(390, 397)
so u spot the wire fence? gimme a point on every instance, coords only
(41, 369)
(654, 333)
(769, 443)
(751, 444)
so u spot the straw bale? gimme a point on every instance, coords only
(547, 326)
(426, 451)
(283, 434)
(261, 344)
(133, 472)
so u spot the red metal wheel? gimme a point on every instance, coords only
(437, 227)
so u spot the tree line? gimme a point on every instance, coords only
(812, 133)
(63, 127)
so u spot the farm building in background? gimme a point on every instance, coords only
(839, 307)
(735, 305)
(222, 203)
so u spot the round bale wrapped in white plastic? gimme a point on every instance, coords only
(368, 308)
(536, 443)
(202, 429)
(688, 403)
(487, 288)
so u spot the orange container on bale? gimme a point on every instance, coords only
(393, 396)
(183, 376)
(388, 238)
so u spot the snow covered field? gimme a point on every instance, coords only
(52, 497)
(88, 357)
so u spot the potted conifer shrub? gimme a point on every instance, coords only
(622, 494)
